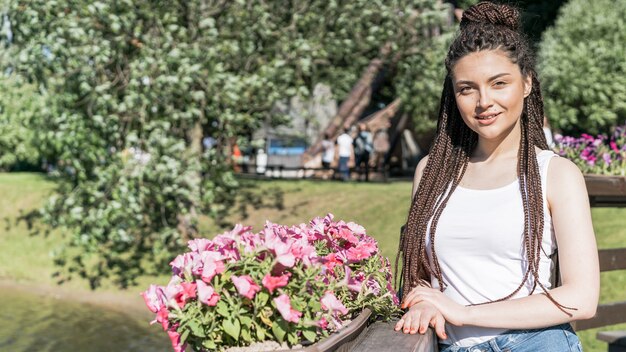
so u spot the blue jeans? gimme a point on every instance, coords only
(559, 338)
(343, 167)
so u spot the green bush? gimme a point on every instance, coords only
(582, 66)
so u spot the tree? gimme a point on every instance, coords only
(582, 66)
(134, 86)
(20, 104)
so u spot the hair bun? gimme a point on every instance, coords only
(495, 14)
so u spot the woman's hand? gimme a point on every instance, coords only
(452, 312)
(419, 317)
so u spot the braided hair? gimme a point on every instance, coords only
(484, 26)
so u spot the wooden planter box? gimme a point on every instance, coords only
(606, 191)
(358, 336)
(343, 340)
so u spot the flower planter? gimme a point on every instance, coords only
(606, 190)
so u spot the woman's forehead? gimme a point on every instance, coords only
(483, 65)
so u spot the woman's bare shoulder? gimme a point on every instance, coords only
(419, 172)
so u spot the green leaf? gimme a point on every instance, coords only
(245, 335)
(222, 309)
(279, 330)
(245, 320)
(196, 328)
(262, 298)
(183, 336)
(260, 333)
(232, 328)
(292, 338)
(310, 335)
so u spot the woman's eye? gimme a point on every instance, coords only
(500, 83)
(465, 90)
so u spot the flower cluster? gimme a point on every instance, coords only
(288, 284)
(596, 155)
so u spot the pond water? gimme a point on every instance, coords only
(29, 322)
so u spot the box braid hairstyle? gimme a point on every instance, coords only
(484, 26)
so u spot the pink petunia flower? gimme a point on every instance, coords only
(281, 249)
(200, 244)
(162, 318)
(154, 297)
(331, 260)
(273, 282)
(360, 252)
(188, 291)
(245, 286)
(283, 304)
(322, 323)
(175, 338)
(331, 303)
(182, 264)
(211, 265)
(206, 294)
(614, 146)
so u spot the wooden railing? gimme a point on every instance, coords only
(608, 191)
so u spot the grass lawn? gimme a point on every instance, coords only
(380, 208)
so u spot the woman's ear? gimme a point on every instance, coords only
(528, 85)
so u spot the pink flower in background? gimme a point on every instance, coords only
(360, 252)
(607, 158)
(346, 234)
(252, 242)
(154, 297)
(353, 282)
(273, 282)
(322, 323)
(614, 146)
(283, 304)
(245, 286)
(173, 290)
(175, 338)
(211, 265)
(188, 291)
(301, 249)
(183, 263)
(206, 294)
(330, 302)
(162, 318)
(356, 228)
(331, 260)
(200, 244)
(281, 249)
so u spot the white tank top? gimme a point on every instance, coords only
(479, 245)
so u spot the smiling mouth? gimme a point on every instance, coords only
(488, 117)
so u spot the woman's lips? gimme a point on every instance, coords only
(487, 119)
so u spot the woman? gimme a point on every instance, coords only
(490, 204)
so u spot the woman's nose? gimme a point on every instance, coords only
(484, 100)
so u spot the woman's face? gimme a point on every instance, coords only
(489, 90)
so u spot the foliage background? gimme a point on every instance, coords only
(582, 66)
(132, 87)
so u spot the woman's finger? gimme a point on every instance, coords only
(415, 322)
(440, 326)
(399, 324)
(406, 327)
(424, 323)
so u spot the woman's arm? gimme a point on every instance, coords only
(578, 260)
